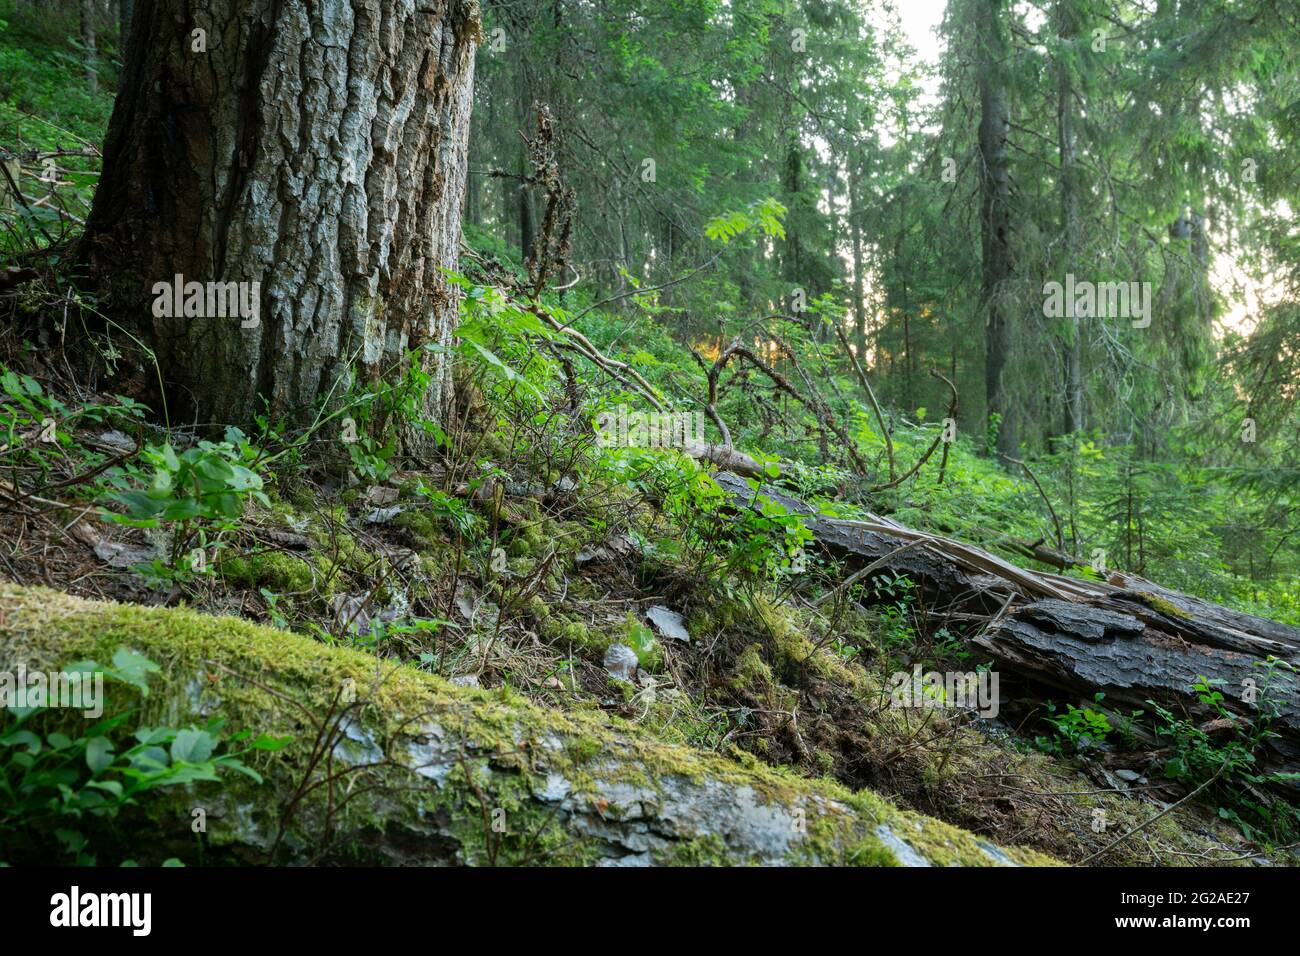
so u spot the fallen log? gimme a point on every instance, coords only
(727, 458)
(1134, 653)
(410, 769)
(1126, 637)
(945, 569)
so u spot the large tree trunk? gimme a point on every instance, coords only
(125, 12)
(315, 149)
(995, 220)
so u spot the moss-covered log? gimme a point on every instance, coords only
(427, 773)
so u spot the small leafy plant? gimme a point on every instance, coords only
(37, 429)
(1077, 730)
(69, 785)
(644, 644)
(197, 495)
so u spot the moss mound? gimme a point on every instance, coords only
(390, 764)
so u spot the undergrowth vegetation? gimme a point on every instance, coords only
(503, 545)
(530, 553)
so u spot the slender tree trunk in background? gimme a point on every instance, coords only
(790, 183)
(477, 158)
(1067, 29)
(1187, 290)
(473, 200)
(995, 220)
(1068, 157)
(624, 249)
(508, 210)
(523, 197)
(792, 258)
(859, 307)
(909, 401)
(746, 256)
(341, 197)
(88, 43)
(525, 209)
(1200, 248)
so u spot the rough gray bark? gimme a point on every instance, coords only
(316, 149)
(1149, 654)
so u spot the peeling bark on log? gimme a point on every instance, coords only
(1151, 655)
(1127, 637)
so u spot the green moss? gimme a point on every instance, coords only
(420, 525)
(715, 616)
(265, 680)
(340, 554)
(303, 498)
(521, 567)
(564, 633)
(870, 852)
(538, 535)
(537, 608)
(752, 672)
(1162, 606)
(584, 749)
(792, 650)
(274, 570)
(701, 851)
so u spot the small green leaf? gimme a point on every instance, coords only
(21, 738)
(192, 746)
(134, 668)
(99, 753)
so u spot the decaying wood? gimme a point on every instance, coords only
(1127, 637)
(724, 456)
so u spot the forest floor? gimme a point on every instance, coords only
(560, 580)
